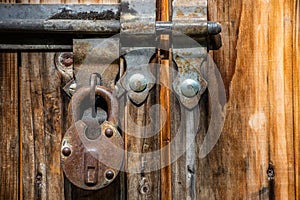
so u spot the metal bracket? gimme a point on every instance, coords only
(189, 84)
(138, 80)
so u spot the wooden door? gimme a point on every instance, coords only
(256, 157)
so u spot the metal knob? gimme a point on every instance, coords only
(138, 82)
(190, 88)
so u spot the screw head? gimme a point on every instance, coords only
(109, 174)
(190, 87)
(109, 132)
(138, 82)
(66, 151)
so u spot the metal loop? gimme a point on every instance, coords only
(95, 79)
(81, 101)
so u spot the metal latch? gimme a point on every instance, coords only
(43, 25)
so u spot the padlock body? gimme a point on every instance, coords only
(92, 163)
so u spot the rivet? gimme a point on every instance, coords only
(66, 59)
(66, 151)
(109, 132)
(109, 174)
(190, 87)
(138, 82)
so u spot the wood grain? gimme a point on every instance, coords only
(136, 124)
(281, 97)
(256, 62)
(164, 14)
(259, 63)
(296, 90)
(9, 126)
(42, 127)
(165, 133)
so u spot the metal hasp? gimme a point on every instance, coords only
(189, 84)
(42, 25)
(138, 80)
(137, 20)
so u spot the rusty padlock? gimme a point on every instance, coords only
(92, 161)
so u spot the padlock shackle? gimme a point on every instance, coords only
(81, 101)
(111, 101)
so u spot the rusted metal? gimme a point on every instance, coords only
(95, 79)
(66, 21)
(59, 11)
(86, 166)
(138, 82)
(109, 174)
(64, 64)
(137, 63)
(214, 42)
(66, 13)
(109, 132)
(95, 159)
(189, 62)
(189, 10)
(43, 18)
(101, 18)
(83, 95)
(138, 17)
(91, 168)
(96, 56)
(66, 151)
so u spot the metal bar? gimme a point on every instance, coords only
(87, 19)
(60, 11)
(22, 47)
(29, 41)
(22, 25)
(99, 26)
(61, 26)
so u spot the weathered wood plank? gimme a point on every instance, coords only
(280, 88)
(296, 86)
(9, 126)
(136, 124)
(165, 133)
(42, 127)
(256, 64)
(262, 124)
(178, 167)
